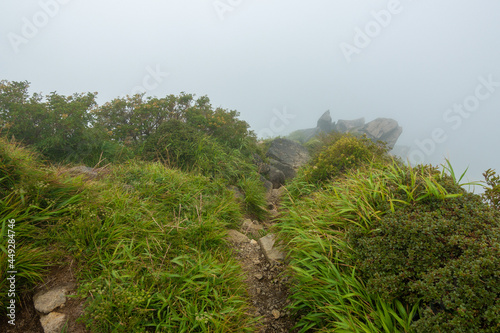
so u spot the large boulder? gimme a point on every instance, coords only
(383, 129)
(287, 157)
(288, 152)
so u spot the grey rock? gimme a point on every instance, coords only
(267, 184)
(272, 251)
(276, 177)
(46, 302)
(286, 156)
(287, 170)
(380, 129)
(264, 168)
(237, 237)
(345, 126)
(383, 129)
(259, 162)
(275, 194)
(53, 322)
(288, 152)
(325, 122)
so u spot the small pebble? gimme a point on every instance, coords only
(276, 314)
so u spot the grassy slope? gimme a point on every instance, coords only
(148, 242)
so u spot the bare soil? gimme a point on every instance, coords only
(267, 288)
(267, 285)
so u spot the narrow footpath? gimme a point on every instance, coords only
(262, 260)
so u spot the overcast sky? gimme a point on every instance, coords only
(431, 65)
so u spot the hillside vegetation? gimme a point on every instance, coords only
(379, 246)
(374, 245)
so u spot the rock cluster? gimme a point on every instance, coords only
(48, 302)
(380, 129)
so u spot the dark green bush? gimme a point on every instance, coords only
(178, 144)
(443, 253)
(174, 143)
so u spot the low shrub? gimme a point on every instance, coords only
(444, 253)
(343, 153)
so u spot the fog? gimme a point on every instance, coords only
(434, 66)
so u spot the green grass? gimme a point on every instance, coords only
(35, 198)
(149, 243)
(152, 242)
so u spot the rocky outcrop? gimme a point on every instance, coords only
(383, 129)
(325, 122)
(380, 129)
(288, 152)
(285, 158)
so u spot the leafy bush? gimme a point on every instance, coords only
(61, 128)
(180, 145)
(342, 154)
(222, 125)
(445, 253)
(492, 188)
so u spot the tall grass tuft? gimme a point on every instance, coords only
(35, 198)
